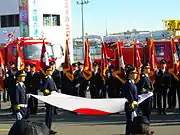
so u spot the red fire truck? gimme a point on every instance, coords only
(162, 48)
(31, 49)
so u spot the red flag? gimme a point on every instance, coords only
(87, 70)
(104, 62)
(2, 72)
(19, 58)
(44, 62)
(119, 64)
(137, 60)
(152, 59)
(174, 70)
(67, 64)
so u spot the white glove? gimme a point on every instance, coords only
(19, 116)
(77, 85)
(134, 114)
(28, 96)
(134, 102)
(53, 92)
(59, 90)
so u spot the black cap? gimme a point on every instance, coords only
(80, 64)
(12, 63)
(75, 64)
(146, 65)
(48, 68)
(95, 64)
(163, 61)
(52, 63)
(111, 67)
(140, 120)
(131, 70)
(20, 73)
(128, 66)
(33, 65)
(27, 64)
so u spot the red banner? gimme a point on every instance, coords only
(67, 64)
(19, 58)
(119, 64)
(104, 62)
(87, 70)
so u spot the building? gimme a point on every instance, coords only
(37, 18)
(95, 48)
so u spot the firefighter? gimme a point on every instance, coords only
(96, 82)
(33, 83)
(131, 94)
(81, 81)
(67, 84)
(19, 97)
(47, 88)
(75, 81)
(56, 75)
(27, 67)
(110, 82)
(144, 86)
(11, 81)
(162, 84)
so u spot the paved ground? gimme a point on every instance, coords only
(67, 123)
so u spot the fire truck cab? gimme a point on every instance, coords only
(31, 50)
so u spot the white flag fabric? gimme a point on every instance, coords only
(88, 106)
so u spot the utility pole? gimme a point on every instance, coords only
(82, 2)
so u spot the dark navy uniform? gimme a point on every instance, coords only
(33, 85)
(11, 82)
(47, 87)
(83, 83)
(111, 82)
(96, 85)
(144, 86)
(56, 75)
(131, 94)
(19, 98)
(162, 84)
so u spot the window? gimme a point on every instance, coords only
(9, 21)
(51, 20)
(34, 51)
(160, 50)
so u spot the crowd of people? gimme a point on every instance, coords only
(29, 81)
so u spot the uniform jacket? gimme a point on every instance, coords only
(130, 91)
(96, 80)
(145, 83)
(57, 78)
(33, 81)
(162, 80)
(48, 84)
(19, 94)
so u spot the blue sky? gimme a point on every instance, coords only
(123, 15)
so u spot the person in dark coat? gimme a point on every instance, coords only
(11, 81)
(144, 86)
(33, 84)
(162, 84)
(19, 96)
(56, 75)
(81, 81)
(47, 87)
(96, 82)
(111, 82)
(131, 94)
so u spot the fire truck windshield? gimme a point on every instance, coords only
(33, 51)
